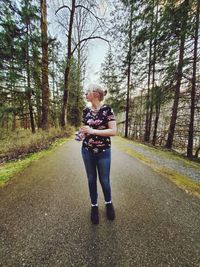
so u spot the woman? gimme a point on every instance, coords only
(98, 125)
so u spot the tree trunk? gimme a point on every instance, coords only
(38, 86)
(153, 87)
(141, 117)
(148, 115)
(193, 89)
(78, 86)
(45, 80)
(67, 70)
(128, 74)
(29, 90)
(179, 74)
(127, 99)
(156, 124)
(14, 121)
(12, 89)
(197, 152)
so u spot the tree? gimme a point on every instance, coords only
(45, 81)
(123, 34)
(129, 61)
(26, 16)
(193, 89)
(9, 66)
(76, 103)
(182, 13)
(110, 80)
(71, 49)
(148, 100)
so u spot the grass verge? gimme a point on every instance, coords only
(17, 144)
(183, 182)
(9, 169)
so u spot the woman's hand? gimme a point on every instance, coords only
(87, 130)
(111, 131)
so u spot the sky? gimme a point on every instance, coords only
(96, 55)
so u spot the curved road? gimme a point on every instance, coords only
(45, 217)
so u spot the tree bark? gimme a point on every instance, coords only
(148, 101)
(156, 124)
(179, 75)
(67, 69)
(78, 86)
(197, 152)
(38, 86)
(128, 74)
(141, 116)
(193, 89)
(29, 90)
(45, 80)
(157, 103)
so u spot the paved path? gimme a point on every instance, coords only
(44, 217)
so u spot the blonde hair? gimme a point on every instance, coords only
(99, 90)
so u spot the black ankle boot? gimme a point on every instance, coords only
(95, 215)
(110, 211)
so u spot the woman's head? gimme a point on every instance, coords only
(95, 91)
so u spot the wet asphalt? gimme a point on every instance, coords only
(45, 217)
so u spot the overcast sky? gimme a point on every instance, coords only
(97, 51)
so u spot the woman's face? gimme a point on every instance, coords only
(89, 95)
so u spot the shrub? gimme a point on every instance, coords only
(15, 145)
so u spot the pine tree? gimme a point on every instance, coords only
(45, 62)
(123, 31)
(182, 13)
(109, 78)
(194, 85)
(10, 73)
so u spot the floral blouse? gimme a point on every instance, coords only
(98, 120)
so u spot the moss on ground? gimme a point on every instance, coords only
(9, 169)
(180, 180)
(165, 153)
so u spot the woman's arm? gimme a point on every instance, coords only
(111, 131)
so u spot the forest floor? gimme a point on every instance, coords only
(16, 145)
(45, 215)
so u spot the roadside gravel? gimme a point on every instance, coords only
(167, 160)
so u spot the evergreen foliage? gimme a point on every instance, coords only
(109, 78)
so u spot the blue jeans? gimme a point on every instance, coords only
(98, 162)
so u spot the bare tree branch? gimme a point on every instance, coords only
(62, 8)
(86, 39)
(65, 27)
(97, 18)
